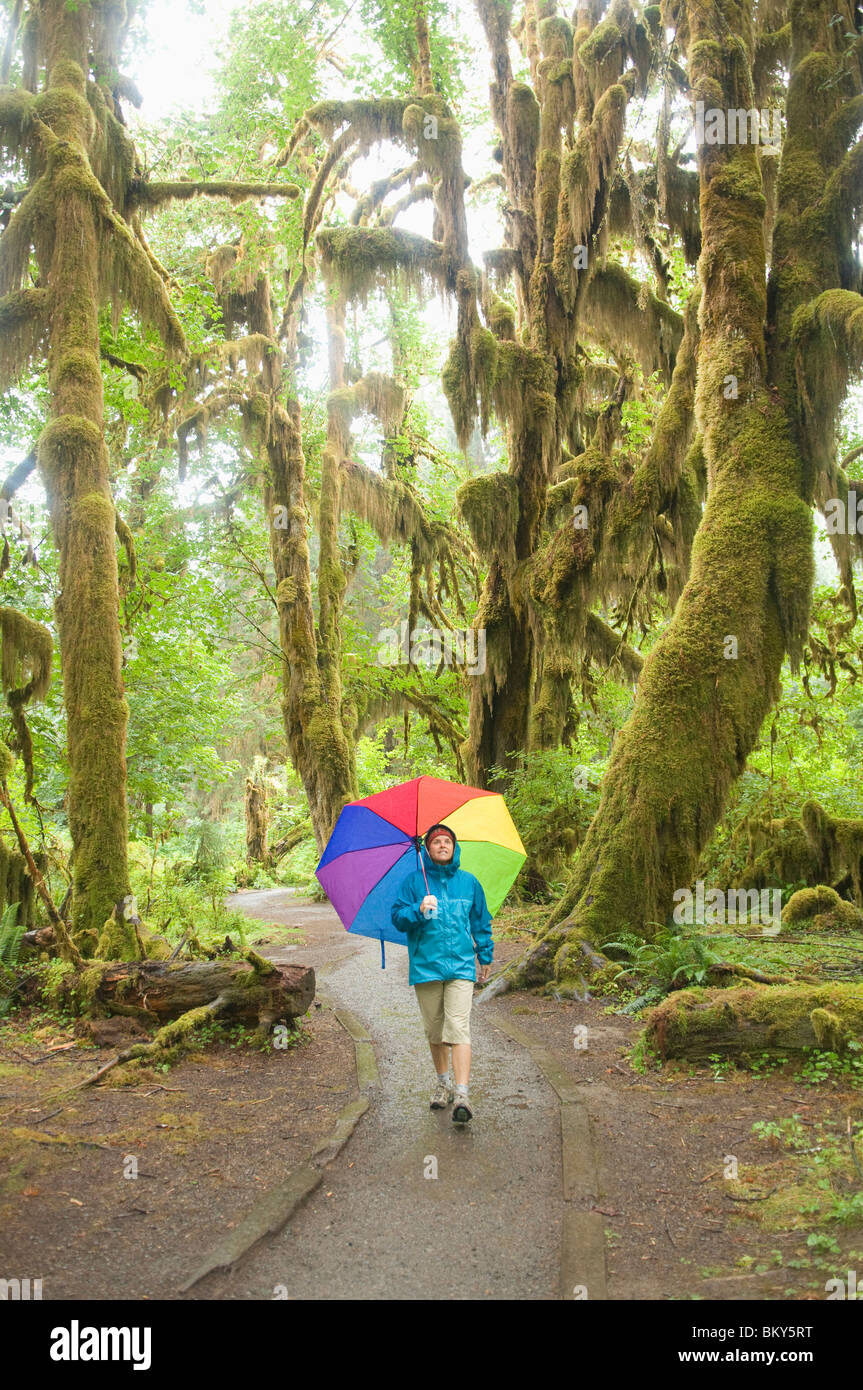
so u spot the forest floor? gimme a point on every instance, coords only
(678, 1224)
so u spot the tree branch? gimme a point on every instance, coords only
(151, 195)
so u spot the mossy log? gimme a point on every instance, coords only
(697, 1023)
(160, 991)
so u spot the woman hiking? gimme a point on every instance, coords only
(442, 909)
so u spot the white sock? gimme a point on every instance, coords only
(443, 1077)
(461, 1089)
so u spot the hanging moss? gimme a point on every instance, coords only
(390, 507)
(524, 389)
(501, 318)
(460, 394)
(489, 505)
(33, 217)
(838, 845)
(623, 315)
(361, 259)
(16, 109)
(252, 349)
(23, 325)
(680, 205)
(375, 393)
(483, 362)
(370, 121)
(112, 152)
(501, 261)
(7, 762)
(523, 122)
(153, 195)
(779, 852)
(601, 56)
(827, 335)
(438, 155)
(27, 649)
(587, 169)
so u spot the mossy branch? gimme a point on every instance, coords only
(20, 473)
(127, 540)
(177, 1033)
(370, 121)
(610, 649)
(152, 195)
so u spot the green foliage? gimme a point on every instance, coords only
(550, 812)
(672, 960)
(832, 1070)
(389, 24)
(11, 933)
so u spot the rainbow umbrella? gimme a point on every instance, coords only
(376, 843)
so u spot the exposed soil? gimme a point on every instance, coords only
(210, 1135)
(227, 1123)
(664, 1139)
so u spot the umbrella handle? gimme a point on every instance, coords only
(383, 954)
(421, 864)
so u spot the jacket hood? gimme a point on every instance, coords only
(448, 868)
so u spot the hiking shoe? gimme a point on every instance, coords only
(461, 1111)
(441, 1097)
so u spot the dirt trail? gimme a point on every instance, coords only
(489, 1223)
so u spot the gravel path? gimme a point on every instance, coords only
(489, 1223)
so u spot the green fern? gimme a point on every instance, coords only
(11, 932)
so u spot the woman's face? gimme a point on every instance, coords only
(440, 847)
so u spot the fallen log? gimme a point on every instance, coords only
(156, 991)
(182, 998)
(697, 1023)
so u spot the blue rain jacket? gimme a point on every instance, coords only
(442, 947)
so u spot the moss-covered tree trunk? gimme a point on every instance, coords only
(714, 673)
(257, 820)
(318, 738)
(80, 217)
(74, 461)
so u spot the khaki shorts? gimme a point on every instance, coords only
(445, 1006)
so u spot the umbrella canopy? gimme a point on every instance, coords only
(376, 842)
